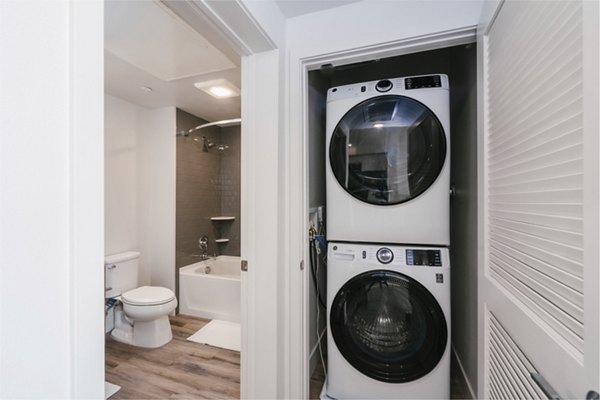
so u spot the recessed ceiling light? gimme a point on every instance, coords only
(219, 88)
(146, 88)
(220, 91)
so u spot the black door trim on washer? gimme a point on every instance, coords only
(388, 326)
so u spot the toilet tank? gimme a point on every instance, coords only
(121, 273)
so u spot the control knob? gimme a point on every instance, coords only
(385, 255)
(384, 86)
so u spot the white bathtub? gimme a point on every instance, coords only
(213, 295)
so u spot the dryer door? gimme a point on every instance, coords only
(387, 150)
(388, 326)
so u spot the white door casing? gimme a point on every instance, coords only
(538, 198)
(297, 281)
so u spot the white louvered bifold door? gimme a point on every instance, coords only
(539, 281)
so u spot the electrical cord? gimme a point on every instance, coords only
(314, 259)
(316, 239)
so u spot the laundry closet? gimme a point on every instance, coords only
(384, 212)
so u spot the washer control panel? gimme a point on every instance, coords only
(410, 256)
(432, 258)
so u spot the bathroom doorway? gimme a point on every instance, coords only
(172, 205)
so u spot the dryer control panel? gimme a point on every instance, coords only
(390, 86)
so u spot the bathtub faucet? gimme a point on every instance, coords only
(203, 245)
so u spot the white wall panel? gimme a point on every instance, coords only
(140, 187)
(156, 176)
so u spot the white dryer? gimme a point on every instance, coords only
(388, 322)
(388, 161)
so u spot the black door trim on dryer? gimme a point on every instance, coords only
(387, 150)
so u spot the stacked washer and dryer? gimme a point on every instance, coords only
(388, 274)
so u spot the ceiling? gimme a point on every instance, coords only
(148, 46)
(294, 8)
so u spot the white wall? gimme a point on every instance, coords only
(120, 178)
(376, 22)
(156, 193)
(51, 206)
(140, 187)
(270, 19)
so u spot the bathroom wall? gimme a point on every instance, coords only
(120, 177)
(230, 184)
(139, 176)
(197, 196)
(156, 193)
(208, 185)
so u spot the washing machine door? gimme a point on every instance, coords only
(387, 150)
(388, 326)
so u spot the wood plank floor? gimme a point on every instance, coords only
(179, 370)
(188, 370)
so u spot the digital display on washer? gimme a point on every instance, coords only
(420, 82)
(432, 258)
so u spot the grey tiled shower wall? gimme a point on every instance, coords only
(208, 185)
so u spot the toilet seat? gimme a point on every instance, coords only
(148, 296)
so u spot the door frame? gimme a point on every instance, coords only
(236, 25)
(297, 279)
(488, 14)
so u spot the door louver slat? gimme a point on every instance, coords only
(534, 172)
(522, 145)
(571, 281)
(509, 369)
(570, 329)
(565, 210)
(574, 239)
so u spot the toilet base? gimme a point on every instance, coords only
(148, 334)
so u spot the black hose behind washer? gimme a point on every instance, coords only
(314, 258)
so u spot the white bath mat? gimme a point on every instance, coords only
(217, 333)
(110, 389)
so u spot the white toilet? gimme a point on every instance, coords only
(143, 317)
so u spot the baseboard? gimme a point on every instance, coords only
(464, 374)
(314, 356)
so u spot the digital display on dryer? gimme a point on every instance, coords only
(420, 82)
(432, 258)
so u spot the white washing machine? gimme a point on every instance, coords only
(388, 161)
(388, 322)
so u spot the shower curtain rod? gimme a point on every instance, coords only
(224, 122)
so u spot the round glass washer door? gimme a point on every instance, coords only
(387, 150)
(388, 326)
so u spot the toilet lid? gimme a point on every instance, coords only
(147, 296)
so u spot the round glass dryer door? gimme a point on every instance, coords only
(387, 150)
(388, 326)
